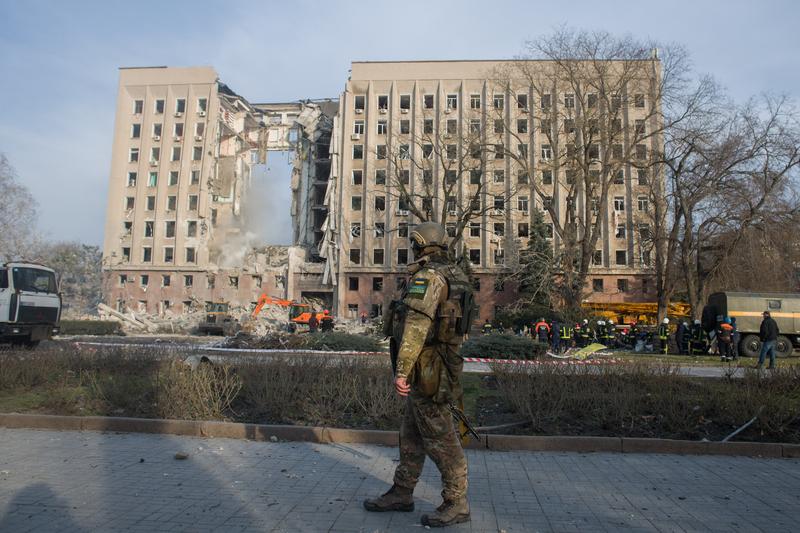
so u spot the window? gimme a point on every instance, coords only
(176, 153)
(522, 177)
(149, 226)
(377, 283)
(774, 304)
(597, 285)
(166, 281)
(152, 179)
(522, 203)
(594, 151)
(377, 256)
(499, 259)
(380, 229)
(172, 203)
(150, 203)
(188, 280)
(191, 228)
(147, 254)
(358, 176)
(169, 229)
(358, 127)
(547, 177)
(450, 176)
(450, 228)
(197, 153)
(615, 103)
(400, 283)
(355, 203)
(474, 229)
(402, 256)
(597, 257)
(133, 155)
(427, 126)
(178, 130)
(547, 202)
(132, 179)
(173, 178)
(192, 202)
(383, 102)
(619, 177)
(499, 229)
(545, 103)
(360, 102)
(427, 151)
(622, 285)
(156, 131)
(620, 233)
(233, 281)
(641, 176)
(213, 218)
(355, 256)
(402, 230)
(622, 257)
(427, 176)
(475, 256)
(499, 126)
(499, 151)
(144, 280)
(547, 152)
(427, 101)
(475, 101)
(499, 101)
(522, 229)
(522, 125)
(169, 254)
(641, 152)
(404, 152)
(127, 228)
(619, 203)
(136, 131)
(180, 105)
(352, 283)
(499, 176)
(546, 126)
(640, 127)
(616, 151)
(522, 150)
(355, 229)
(451, 126)
(475, 126)
(591, 100)
(522, 101)
(202, 105)
(126, 254)
(159, 107)
(569, 100)
(452, 101)
(138, 107)
(499, 202)
(643, 203)
(405, 126)
(638, 100)
(451, 152)
(199, 129)
(358, 151)
(405, 102)
(380, 176)
(644, 232)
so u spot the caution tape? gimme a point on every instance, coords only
(561, 362)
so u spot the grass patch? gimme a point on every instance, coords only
(699, 360)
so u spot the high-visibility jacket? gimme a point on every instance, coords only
(565, 332)
(725, 332)
(539, 326)
(663, 331)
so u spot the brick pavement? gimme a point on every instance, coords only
(85, 481)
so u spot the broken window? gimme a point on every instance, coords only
(402, 230)
(180, 105)
(427, 176)
(619, 203)
(522, 229)
(377, 256)
(192, 202)
(156, 131)
(199, 130)
(360, 102)
(620, 233)
(352, 283)
(547, 152)
(452, 101)
(450, 228)
(402, 256)
(594, 151)
(358, 151)
(380, 176)
(499, 259)
(547, 202)
(405, 126)
(169, 254)
(191, 228)
(475, 126)
(355, 256)
(427, 126)
(211, 281)
(451, 151)
(522, 150)
(522, 101)
(591, 100)
(380, 229)
(176, 153)
(619, 177)
(427, 151)
(499, 202)
(166, 280)
(474, 229)
(152, 179)
(499, 125)
(427, 101)
(233, 281)
(169, 229)
(197, 153)
(474, 177)
(173, 178)
(132, 179)
(522, 125)
(499, 101)
(569, 126)
(451, 126)
(151, 203)
(149, 226)
(355, 229)
(377, 283)
(383, 102)
(257, 281)
(188, 280)
(404, 152)
(597, 258)
(475, 101)
(499, 176)
(382, 127)
(355, 203)
(405, 177)
(546, 101)
(475, 256)
(133, 155)
(405, 102)
(202, 104)
(597, 283)
(144, 280)
(499, 229)
(147, 254)
(621, 257)
(159, 107)
(178, 130)
(380, 151)
(172, 203)
(127, 228)
(358, 127)
(638, 100)
(358, 176)
(522, 177)
(126, 254)
(136, 131)
(138, 107)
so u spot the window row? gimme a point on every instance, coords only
(173, 179)
(168, 254)
(171, 203)
(175, 155)
(169, 228)
(180, 106)
(177, 131)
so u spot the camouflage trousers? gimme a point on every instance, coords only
(428, 429)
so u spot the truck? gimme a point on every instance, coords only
(30, 303)
(747, 308)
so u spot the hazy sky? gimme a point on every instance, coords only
(59, 60)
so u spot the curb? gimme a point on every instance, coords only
(326, 435)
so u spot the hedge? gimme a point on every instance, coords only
(91, 327)
(502, 346)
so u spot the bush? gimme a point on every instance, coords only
(91, 327)
(342, 342)
(502, 346)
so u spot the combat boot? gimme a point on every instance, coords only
(447, 514)
(395, 499)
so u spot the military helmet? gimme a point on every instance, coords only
(428, 234)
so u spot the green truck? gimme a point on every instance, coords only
(747, 308)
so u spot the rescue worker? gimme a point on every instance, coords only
(600, 331)
(735, 339)
(586, 333)
(313, 322)
(566, 336)
(679, 334)
(326, 323)
(663, 335)
(427, 328)
(725, 340)
(542, 329)
(555, 340)
(686, 339)
(576, 334)
(487, 327)
(609, 334)
(698, 339)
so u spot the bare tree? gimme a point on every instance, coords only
(17, 215)
(594, 108)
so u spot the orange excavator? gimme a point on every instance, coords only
(299, 313)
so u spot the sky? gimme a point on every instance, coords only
(59, 63)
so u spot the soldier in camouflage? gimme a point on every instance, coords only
(427, 328)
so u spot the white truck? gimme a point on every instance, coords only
(30, 304)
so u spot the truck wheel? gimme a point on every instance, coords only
(750, 346)
(783, 348)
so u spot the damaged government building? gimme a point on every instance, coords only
(397, 145)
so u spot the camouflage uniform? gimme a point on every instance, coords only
(428, 357)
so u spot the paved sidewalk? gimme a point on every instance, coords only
(85, 481)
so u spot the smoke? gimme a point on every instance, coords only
(267, 204)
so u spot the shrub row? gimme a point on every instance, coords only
(502, 346)
(91, 327)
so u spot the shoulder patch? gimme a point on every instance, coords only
(418, 288)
